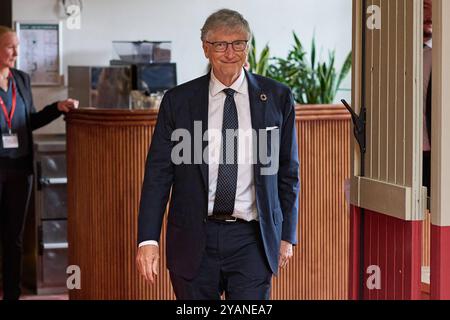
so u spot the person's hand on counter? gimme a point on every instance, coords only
(67, 105)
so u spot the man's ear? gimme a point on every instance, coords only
(205, 50)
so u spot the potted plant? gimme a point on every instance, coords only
(258, 65)
(311, 81)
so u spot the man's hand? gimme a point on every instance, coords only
(67, 105)
(285, 253)
(147, 261)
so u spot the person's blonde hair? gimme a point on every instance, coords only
(4, 30)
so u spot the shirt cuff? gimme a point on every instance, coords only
(148, 242)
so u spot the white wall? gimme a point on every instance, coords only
(180, 21)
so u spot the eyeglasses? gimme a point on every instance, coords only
(222, 46)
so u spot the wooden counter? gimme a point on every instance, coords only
(106, 152)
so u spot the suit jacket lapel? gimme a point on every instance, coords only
(258, 113)
(257, 105)
(199, 112)
(21, 88)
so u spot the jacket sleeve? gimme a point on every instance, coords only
(43, 117)
(158, 177)
(288, 174)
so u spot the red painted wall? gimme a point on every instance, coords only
(440, 262)
(392, 244)
(355, 220)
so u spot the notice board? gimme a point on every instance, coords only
(40, 52)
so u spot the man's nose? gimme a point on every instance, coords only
(230, 51)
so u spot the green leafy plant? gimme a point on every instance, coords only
(258, 65)
(311, 81)
(291, 71)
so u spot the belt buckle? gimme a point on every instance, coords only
(231, 220)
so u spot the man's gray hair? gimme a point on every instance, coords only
(225, 18)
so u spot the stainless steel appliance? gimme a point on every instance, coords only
(151, 77)
(100, 86)
(142, 66)
(45, 242)
(151, 69)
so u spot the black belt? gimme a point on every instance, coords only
(225, 218)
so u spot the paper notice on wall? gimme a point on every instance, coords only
(39, 52)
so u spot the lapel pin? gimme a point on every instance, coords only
(263, 97)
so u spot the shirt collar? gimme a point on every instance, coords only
(10, 82)
(429, 43)
(215, 86)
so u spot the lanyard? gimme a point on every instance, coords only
(13, 107)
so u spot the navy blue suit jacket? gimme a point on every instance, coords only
(276, 195)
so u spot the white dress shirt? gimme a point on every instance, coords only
(244, 206)
(245, 201)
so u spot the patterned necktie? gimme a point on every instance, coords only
(228, 166)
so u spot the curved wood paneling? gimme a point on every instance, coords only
(319, 269)
(106, 157)
(321, 112)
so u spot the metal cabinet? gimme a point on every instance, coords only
(45, 258)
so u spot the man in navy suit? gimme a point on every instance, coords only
(232, 218)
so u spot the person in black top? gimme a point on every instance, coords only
(18, 118)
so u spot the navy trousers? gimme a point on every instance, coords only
(234, 264)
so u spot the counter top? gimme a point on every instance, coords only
(109, 116)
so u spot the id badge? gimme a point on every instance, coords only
(10, 141)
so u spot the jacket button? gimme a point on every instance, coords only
(204, 220)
